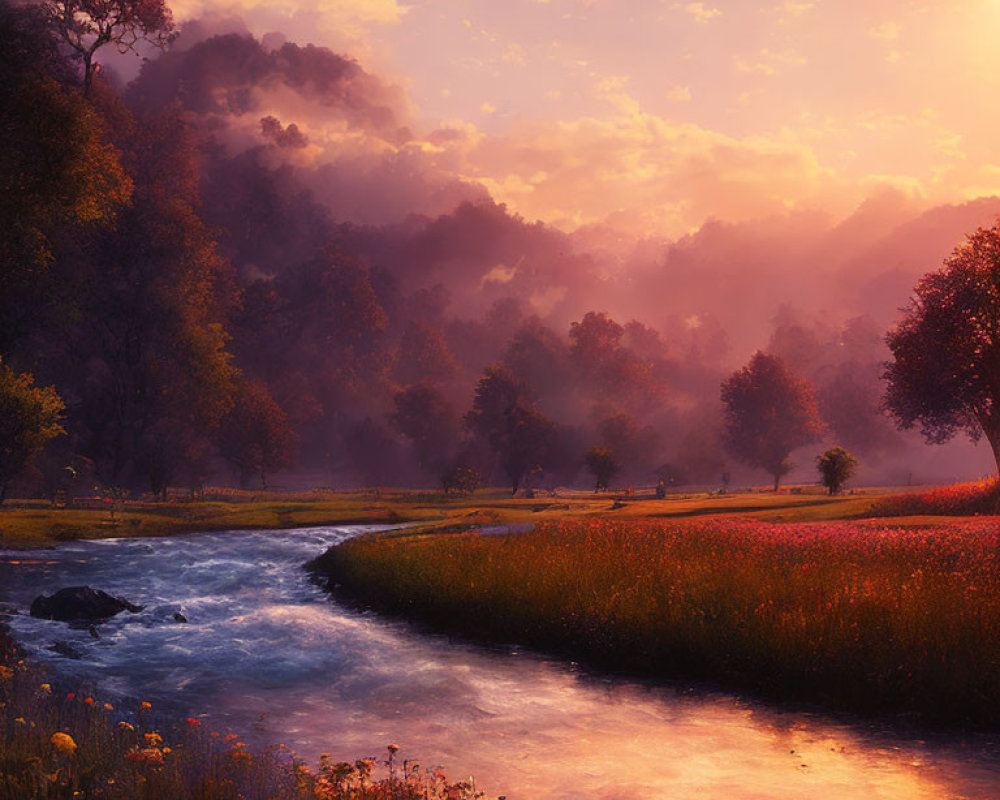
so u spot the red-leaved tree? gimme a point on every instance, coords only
(945, 372)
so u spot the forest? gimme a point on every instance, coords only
(192, 290)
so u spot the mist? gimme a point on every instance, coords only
(378, 284)
(306, 154)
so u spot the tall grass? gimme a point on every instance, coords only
(56, 745)
(851, 614)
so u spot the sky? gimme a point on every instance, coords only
(655, 116)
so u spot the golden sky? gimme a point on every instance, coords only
(658, 115)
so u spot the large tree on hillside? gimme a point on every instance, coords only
(945, 372)
(768, 413)
(88, 25)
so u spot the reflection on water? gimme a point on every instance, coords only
(266, 653)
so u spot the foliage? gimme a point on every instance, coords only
(768, 413)
(60, 173)
(29, 417)
(836, 466)
(603, 464)
(520, 435)
(858, 614)
(943, 375)
(255, 437)
(425, 417)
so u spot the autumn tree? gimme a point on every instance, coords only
(255, 436)
(769, 412)
(603, 465)
(29, 417)
(62, 177)
(836, 466)
(945, 370)
(88, 25)
(148, 352)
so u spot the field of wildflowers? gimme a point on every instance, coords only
(56, 745)
(851, 614)
(958, 500)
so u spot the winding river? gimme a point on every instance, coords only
(265, 652)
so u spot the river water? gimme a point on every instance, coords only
(266, 653)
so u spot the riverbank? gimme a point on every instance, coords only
(55, 743)
(877, 616)
(33, 524)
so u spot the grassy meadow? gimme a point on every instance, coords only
(897, 614)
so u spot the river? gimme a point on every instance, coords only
(265, 652)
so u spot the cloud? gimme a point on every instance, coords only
(886, 31)
(646, 170)
(702, 13)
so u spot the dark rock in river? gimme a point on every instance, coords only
(66, 649)
(80, 604)
(179, 617)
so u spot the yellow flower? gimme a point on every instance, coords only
(6, 673)
(46, 688)
(64, 743)
(126, 727)
(145, 706)
(154, 738)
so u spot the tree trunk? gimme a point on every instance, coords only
(777, 480)
(991, 429)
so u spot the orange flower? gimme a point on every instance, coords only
(64, 743)
(145, 706)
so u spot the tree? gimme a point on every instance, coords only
(88, 25)
(520, 436)
(602, 463)
(29, 417)
(256, 437)
(61, 177)
(944, 375)
(768, 413)
(836, 466)
(524, 442)
(425, 417)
